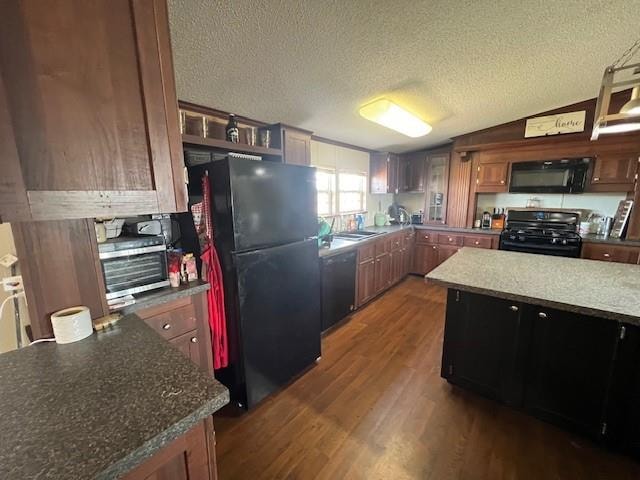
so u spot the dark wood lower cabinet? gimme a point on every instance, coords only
(569, 366)
(577, 371)
(481, 351)
(190, 457)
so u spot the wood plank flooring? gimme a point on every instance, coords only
(375, 407)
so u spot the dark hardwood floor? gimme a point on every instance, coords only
(375, 407)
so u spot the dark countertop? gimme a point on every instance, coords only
(591, 287)
(473, 231)
(98, 407)
(592, 238)
(164, 295)
(341, 246)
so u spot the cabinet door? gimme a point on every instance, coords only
(188, 344)
(366, 282)
(569, 367)
(394, 174)
(382, 272)
(396, 266)
(446, 251)
(437, 186)
(189, 457)
(614, 172)
(101, 99)
(425, 258)
(481, 345)
(378, 173)
(297, 146)
(610, 253)
(492, 177)
(412, 168)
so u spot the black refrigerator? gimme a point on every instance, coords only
(265, 228)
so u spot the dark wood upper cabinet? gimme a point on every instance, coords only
(492, 177)
(296, 145)
(614, 172)
(384, 173)
(88, 110)
(436, 188)
(412, 172)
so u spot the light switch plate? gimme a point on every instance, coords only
(8, 260)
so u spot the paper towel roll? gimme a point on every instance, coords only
(71, 324)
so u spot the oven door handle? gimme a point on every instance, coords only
(132, 251)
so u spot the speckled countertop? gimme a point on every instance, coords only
(165, 295)
(98, 407)
(604, 289)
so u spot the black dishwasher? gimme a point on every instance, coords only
(338, 287)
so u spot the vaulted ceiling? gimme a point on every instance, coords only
(460, 65)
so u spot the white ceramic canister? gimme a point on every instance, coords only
(71, 324)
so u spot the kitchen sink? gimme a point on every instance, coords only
(356, 236)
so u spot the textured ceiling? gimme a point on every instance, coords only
(460, 65)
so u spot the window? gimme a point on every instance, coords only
(325, 184)
(352, 189)
(349, 196)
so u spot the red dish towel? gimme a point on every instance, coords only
(215, 295)
(215, 301)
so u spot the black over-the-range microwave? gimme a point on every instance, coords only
(568, 175)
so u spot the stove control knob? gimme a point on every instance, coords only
(512, 237)
(564, 242)
(553, 241)
(522, 238)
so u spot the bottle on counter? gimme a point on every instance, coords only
(233, 134)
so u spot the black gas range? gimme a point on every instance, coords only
(542, 231)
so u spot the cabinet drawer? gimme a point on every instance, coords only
(426, 237)
(174, 322)
(478, 241)
(450, 239)
(610, 253)
(366, 252)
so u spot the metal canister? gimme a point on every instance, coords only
(607, 225)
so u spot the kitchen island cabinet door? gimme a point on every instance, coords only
(189, 457)
(94, 113)
(570, 358)
(481, 340)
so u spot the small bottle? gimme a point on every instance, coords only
(233, 134)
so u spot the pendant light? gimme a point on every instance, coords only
(628, 118)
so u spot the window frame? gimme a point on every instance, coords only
(333, 192)
(363, 193)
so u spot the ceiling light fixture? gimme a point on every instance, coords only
(388, 114)
(627, 119)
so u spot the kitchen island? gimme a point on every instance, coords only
(106, 407)
(556, 337)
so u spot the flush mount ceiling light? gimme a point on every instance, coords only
(390, 115)
(628, 118)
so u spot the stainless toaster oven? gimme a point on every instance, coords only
(133, 265)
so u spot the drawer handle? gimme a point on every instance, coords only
(606, 255)
(166, 326)
(542, 315)
(476, 242)
(514, 308)
(194, 339)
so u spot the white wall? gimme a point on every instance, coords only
(7, 321)
(340, 158)
(602, 203)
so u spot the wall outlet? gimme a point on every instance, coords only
(12, 284)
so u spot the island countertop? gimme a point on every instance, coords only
(98, 407)
(603, 289)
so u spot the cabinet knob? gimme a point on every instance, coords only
(606, 255)
(542, 315)
(166, 326)
(450, 239)
(194, 339)
(514, 308)
(596, 179)
(476, 242)
(434, 247)
(502, 182)
(427, 237)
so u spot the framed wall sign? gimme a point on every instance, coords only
(570, 122)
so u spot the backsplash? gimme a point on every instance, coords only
(602, 203)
